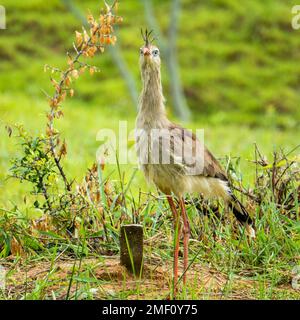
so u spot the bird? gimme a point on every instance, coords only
(174, 158)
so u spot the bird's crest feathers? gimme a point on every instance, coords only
(146, 37)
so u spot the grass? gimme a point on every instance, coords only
(225, 264)
(241, 88)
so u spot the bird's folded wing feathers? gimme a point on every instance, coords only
(195, 153)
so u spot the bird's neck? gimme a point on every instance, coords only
(152, 102)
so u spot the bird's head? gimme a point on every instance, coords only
(149, 53)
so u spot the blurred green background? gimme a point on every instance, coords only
(239, 67)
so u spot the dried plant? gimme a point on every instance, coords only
(276, 181)
(64, 209)
(87, 44)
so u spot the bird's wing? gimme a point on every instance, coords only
(207, 165)
(197, 159)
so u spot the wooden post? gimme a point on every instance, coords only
(131, 248)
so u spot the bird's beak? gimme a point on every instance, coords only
(146, 51)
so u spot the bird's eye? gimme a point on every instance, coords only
(155, 52)
(141, 50)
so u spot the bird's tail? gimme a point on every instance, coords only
(242, 215)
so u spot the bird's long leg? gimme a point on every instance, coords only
(186, 236)
(176, 217)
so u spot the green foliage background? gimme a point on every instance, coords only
(239, 63)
